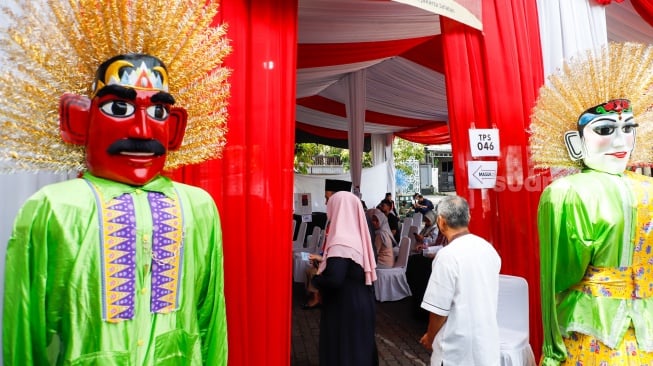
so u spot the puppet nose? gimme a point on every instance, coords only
(619, 138)
(140, 127)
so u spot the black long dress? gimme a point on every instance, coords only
(348, 319)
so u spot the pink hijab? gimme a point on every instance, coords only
(348, 235)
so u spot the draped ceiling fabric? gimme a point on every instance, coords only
(400, 48)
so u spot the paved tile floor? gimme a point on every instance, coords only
(397, 333)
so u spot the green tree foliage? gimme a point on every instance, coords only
(304, 154)
(403, 150)
(344, 156)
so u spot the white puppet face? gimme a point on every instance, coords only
(608, 141)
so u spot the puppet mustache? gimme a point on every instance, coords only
(136, 146)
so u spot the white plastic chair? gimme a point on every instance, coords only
(405, 226)
(411, 237)
(311, 244)
(512, 316)
(391, 283)
(417, 220)
(299, 264)
(298, 243)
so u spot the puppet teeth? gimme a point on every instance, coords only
(132, 153)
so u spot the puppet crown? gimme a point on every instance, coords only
(612, 79)
(54, 47)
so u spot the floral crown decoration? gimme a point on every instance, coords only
(54, 47)
(586, 84)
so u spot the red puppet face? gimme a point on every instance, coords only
(130, 123)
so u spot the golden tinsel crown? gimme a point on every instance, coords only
(49, 48)
(615, 71)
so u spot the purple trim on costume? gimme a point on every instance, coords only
(126, 245)
(167, 246)
(117, 224)
(118, 238)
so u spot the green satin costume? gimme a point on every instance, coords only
(58, 281)
(596, 256)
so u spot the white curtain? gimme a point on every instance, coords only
(378, 148)
(381, 153)
(392, 186)
(356, 118)
(568, 27)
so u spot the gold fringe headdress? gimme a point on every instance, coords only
(51, 47)
(615, 71)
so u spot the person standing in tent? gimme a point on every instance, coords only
(313, 298)
(596, 242)
(122, 266)
(345, 279)
(462, 293)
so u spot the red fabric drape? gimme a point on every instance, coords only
(324, 132)
(497, 89)
(433, 134)
(253, 182)
(330, 106)
(317, 55)
(428, 54)
(645, 9)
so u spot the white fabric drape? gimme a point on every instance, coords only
(568, 27)
(392, 186)
(395, 86)
(356, 119)
(343, 21)
(382, 152)
(378, 148)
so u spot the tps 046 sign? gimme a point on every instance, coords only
(484, 142)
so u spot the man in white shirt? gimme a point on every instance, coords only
(462, 293)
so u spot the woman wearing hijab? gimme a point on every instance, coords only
(429, 235)
(383, 240)
(345, 275)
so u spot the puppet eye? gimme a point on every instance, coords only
(604, 130)
(117, 108)
(628, 128)
(158, 112)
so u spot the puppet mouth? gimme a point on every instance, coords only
(137, 148)
(619, 155)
